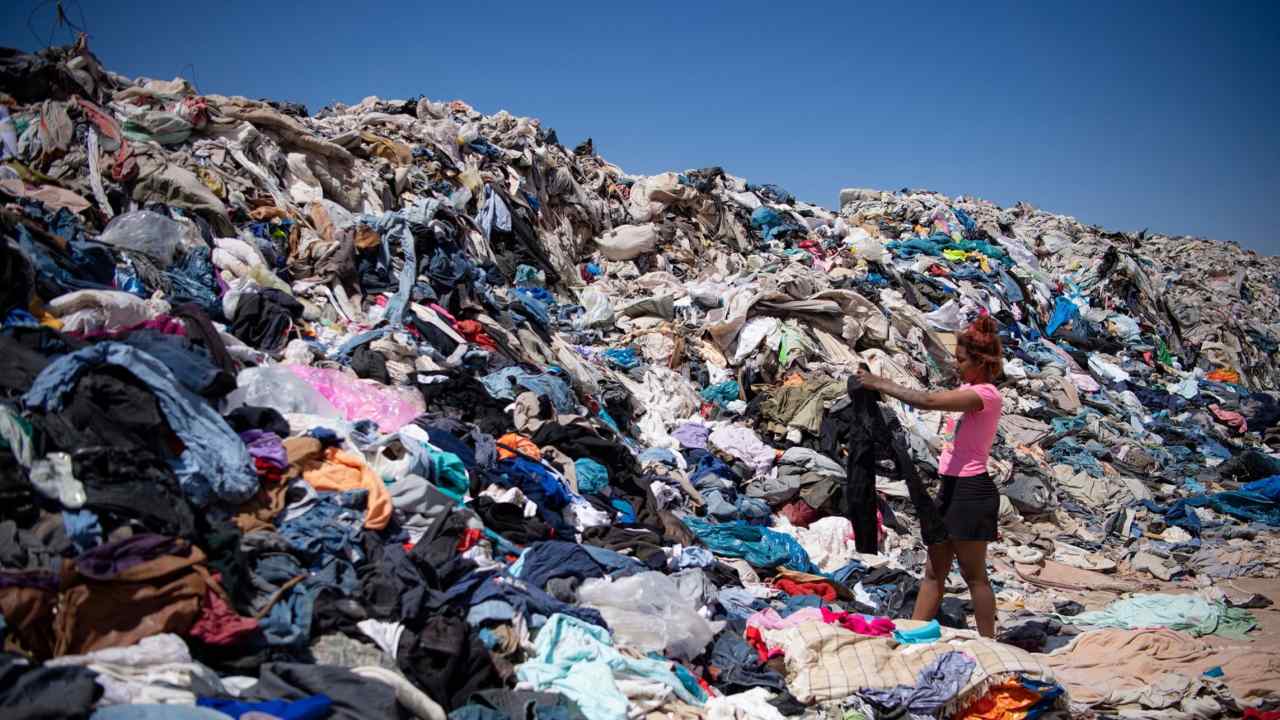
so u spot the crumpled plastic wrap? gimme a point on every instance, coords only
(646, 611)
(391, 408)
(146, 232)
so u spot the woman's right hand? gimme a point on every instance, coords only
(863, 379)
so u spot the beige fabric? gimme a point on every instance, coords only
(1058, 575)
(827, 662)
(1157, 668)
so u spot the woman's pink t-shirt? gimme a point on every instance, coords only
(967, 441)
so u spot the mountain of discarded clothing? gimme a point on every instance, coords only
(397, 405)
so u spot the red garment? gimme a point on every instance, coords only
(813, 247)
(268, 470)
(475, 334)
(125, 166)
(1229, 418)
(469, 538)
(799, 512)
(448, 317)
(756, 640)
(823, 590)
(218, 624)
(1256, 714)
(706, 686)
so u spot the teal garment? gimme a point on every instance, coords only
(686, 677)
(1064, 311)
(912, 247)
(1249, 506)
(578, 660)
(924, 634)
(449, 471)
(528, 276)
(721, 393)
(592, 476)
(1188, 613)
(995, 252)
(759, 546)
(622, 358)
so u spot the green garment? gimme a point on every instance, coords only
(1189, 613)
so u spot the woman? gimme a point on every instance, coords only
(969, 502)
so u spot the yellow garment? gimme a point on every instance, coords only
(341, 471)
(960, 256)
(43, 315)
(388, 149)
(212, 181)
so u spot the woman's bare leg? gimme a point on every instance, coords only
(929, 597)
(973, 567)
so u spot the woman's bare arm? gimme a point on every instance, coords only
(949, 400)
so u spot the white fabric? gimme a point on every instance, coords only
(628, 241)
(93, 310)
(409, 697)
(827, 542)
(385, 635)
(1111, 372)
(750, 705)
(158, 669)
(745, 445)
(752, 334)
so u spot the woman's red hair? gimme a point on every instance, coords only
(981, 340)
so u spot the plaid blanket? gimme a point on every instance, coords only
(827, 662)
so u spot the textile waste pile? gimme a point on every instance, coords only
(402, 410)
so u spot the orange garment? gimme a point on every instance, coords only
(341, 471)
(268, 212)
(1006, 701)
(513, 444)
(1225, 375)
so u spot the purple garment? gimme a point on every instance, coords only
(692, 435)
(937, 684)
(266, 445)
(40, 579)
(107, 561)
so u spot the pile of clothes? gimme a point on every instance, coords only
(401, 410)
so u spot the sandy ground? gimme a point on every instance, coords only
(1267, 636)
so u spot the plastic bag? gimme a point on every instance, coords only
(470, 178)
(468, 133)
(159, 126)
(144, 231)
(274, 386)
(866, 247)
(628, 242)
(598, 310)
(647, 611)
(54, 478)
(391, 408)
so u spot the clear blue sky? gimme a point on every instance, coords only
(1130, 115)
